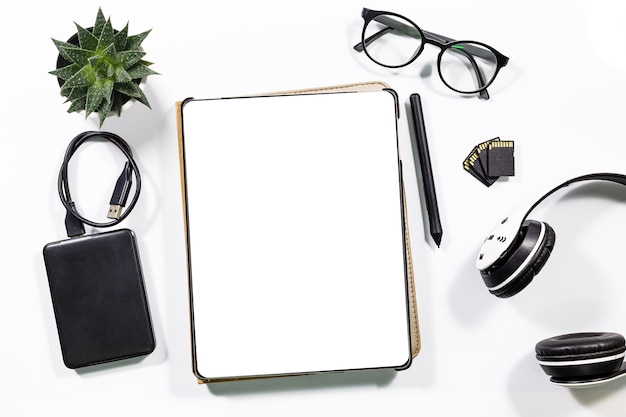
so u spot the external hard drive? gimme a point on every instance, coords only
(99, 298)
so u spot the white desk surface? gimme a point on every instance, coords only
(560, 99)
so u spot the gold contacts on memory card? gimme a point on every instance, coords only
(490, 160)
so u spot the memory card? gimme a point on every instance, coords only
(483, 155)
(490, 160)
(501, 159)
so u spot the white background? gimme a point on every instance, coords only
(560, 99)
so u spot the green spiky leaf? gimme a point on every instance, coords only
(83, 78)
(99, 24)
(132, 90)
(122, 76)
(129, 89)
(142, 98)
(104, 110)
(108, 71)
(78, 104)
(107, 89)
(107, 37)
(61, 48)
(134, 42)
(108, 53)
(76, 93)
(139, 71)
(120, 39)
(77, 55)
(99, 91)
(129, 58)
(118, 102)
(65, 73)
(104, 68)
(86, 40)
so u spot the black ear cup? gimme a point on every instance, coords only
(517, 268)
(581, 357)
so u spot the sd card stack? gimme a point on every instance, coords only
(491, 160)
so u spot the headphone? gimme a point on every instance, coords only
(508, 260)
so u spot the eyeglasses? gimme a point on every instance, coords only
(393, 41)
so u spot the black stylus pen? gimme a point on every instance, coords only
(426, 169)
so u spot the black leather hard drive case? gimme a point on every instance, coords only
(99, 298)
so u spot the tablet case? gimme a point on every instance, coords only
(415, 339)
(99, 299)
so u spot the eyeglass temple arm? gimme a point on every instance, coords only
(359, 47)
(439, 39)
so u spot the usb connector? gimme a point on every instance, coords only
(120, 193)
(115, 211)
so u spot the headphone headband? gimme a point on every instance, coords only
(503, 236)
(600, 176)
(508, 261)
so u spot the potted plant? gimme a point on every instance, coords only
(99, 68)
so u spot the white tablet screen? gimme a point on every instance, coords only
(295, 234)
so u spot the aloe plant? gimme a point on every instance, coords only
(102, 70)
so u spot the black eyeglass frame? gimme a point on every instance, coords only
(442, 42)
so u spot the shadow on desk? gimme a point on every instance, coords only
(331, 380)
(114, 366)
(533, 394)
(613, 391)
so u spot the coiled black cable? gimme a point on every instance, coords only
(74, 220)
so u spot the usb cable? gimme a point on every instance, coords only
(118, 208)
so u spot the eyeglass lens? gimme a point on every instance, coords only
(467, 67)
(393, 41)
